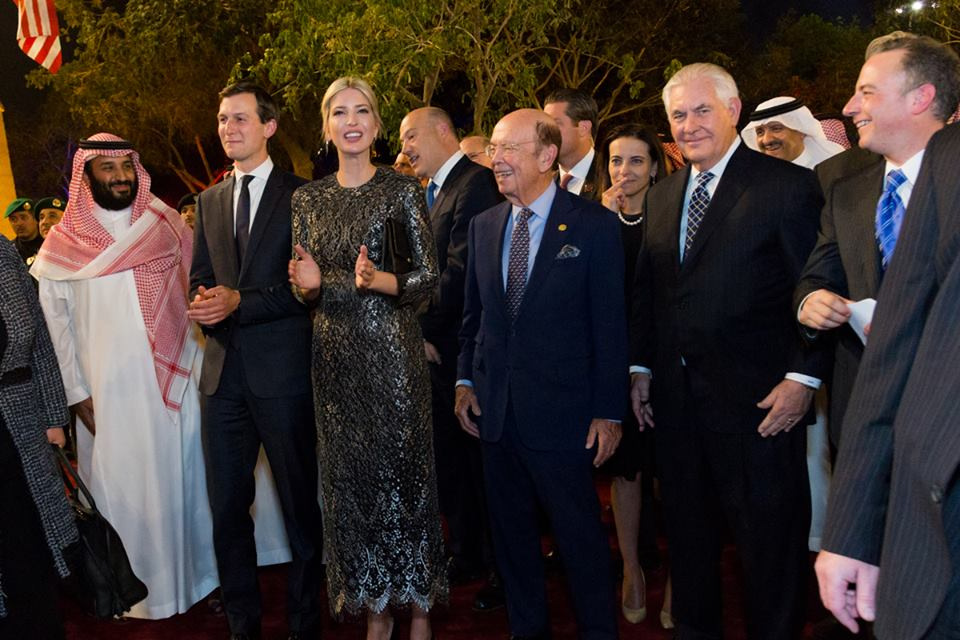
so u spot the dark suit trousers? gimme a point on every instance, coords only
(29, 578)
(459, 470)
(947, 624)
(517, 478)
(235, 424)
(758, 488)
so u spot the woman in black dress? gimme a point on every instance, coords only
(382, 534)
(632, 158)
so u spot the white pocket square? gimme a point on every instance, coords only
(568, 251)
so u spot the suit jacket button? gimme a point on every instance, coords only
(682, 306)
(936, 494)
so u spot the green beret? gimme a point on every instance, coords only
(53, 202)
(20, 204)
(190, 198)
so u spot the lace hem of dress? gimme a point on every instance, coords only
(341, 603)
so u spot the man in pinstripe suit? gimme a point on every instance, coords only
(892, 539)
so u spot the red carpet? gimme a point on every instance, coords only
(455, 621)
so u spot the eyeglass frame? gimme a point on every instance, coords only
(508, 148)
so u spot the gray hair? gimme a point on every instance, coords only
(723, 83)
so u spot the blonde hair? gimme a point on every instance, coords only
(350, 82)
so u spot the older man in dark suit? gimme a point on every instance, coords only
(713, 321)
(892, 542)
(458, 189)
(256, 369)
(907, 89)
(543, 351)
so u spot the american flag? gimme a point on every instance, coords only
(38, 32)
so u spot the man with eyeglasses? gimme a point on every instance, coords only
(540, 373)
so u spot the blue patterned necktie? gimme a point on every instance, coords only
(517, 264)
(699, 202)
(889, 216)
(431, 194)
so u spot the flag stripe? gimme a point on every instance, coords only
(38, 32)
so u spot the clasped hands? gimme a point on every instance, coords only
(211, 306)
(605, 434)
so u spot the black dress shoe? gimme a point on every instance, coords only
(490, 597)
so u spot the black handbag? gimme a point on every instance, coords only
(397, 257)
(101, 578)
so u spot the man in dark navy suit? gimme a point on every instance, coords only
(543, 351)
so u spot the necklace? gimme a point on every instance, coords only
(630, 223)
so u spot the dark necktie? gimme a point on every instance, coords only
(890, 211)
(243, 217)
(431, 194)
(565, 181)
(699, 202)
(517, 264)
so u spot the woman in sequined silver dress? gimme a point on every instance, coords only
(371, 385)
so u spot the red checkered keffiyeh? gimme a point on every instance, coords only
(158, 249)
(835, 132)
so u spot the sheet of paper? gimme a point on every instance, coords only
(861, 314)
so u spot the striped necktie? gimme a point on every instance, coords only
(890, 211)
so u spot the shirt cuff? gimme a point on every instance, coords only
(638, 369)
(465, 383)
(807, 381)
(803, 302)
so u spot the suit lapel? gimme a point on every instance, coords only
(724, 199)
(499, 226)
(864, 225)
(265, 210)
(674, 207)
(220, 227)
(449, 185)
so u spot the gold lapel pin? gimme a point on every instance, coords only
(562, 227)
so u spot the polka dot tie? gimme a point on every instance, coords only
(517, 265)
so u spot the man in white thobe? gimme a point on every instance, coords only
(113, 290)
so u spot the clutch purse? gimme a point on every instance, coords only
(101, 578)
(397, 257)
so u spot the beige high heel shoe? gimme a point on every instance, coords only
(632, 615)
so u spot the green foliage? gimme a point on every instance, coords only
(809, 58)
(151, 71)
(482, 57)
